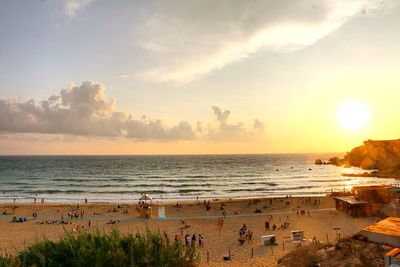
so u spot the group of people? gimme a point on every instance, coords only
(35, 200)
(245, 233)
(19, 220)
(310, 200)
(191, 240)
(77, 213)
(269, 225)
(299, 211)
(207, 205)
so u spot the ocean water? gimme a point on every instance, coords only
(125, 178)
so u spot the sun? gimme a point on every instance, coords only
(353, 115)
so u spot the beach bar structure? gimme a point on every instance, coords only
(352, 206)
(385, 232)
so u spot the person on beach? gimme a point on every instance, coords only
(200, 241)
(187, 240)
(250, 236)
(224, 213)
(193, 240)
(266, 225)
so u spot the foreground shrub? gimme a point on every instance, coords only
(87, 249)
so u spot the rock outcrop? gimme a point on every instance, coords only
(380, 155)
(332, 161)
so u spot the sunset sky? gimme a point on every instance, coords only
(197, 77)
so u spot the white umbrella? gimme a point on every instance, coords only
(145, 197)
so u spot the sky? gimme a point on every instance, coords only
(197, 77)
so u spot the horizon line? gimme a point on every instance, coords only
(176, 154)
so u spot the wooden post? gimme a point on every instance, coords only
(230, 254)
(327, 239)
(283, 245)
(252, 252)
(208, 256)
(272, 249)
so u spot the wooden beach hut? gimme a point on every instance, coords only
(351, 206)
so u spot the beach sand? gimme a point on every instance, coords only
(218, 240)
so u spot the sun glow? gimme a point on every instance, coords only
(353, 115)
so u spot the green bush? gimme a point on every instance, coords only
(95, 249)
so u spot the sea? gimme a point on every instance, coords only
(171, 177)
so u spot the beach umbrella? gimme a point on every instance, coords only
(145, 197)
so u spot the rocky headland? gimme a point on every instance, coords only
(382, 156)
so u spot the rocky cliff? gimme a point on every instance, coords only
(380, 155)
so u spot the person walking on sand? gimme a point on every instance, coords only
(193, 240)
(200, 241)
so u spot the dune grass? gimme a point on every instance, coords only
(99, 249)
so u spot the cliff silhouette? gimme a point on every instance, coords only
(383, 156)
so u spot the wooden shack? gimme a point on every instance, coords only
(352, 206)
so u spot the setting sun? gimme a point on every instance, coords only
(353, 115)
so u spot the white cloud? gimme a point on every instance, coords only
(85, 110)
(71, 7)
(195, 38)
(228, 132)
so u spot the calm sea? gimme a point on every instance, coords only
(125, 178)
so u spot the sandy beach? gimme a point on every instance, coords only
(319, 222)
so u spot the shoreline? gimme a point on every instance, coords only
(167, 201)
